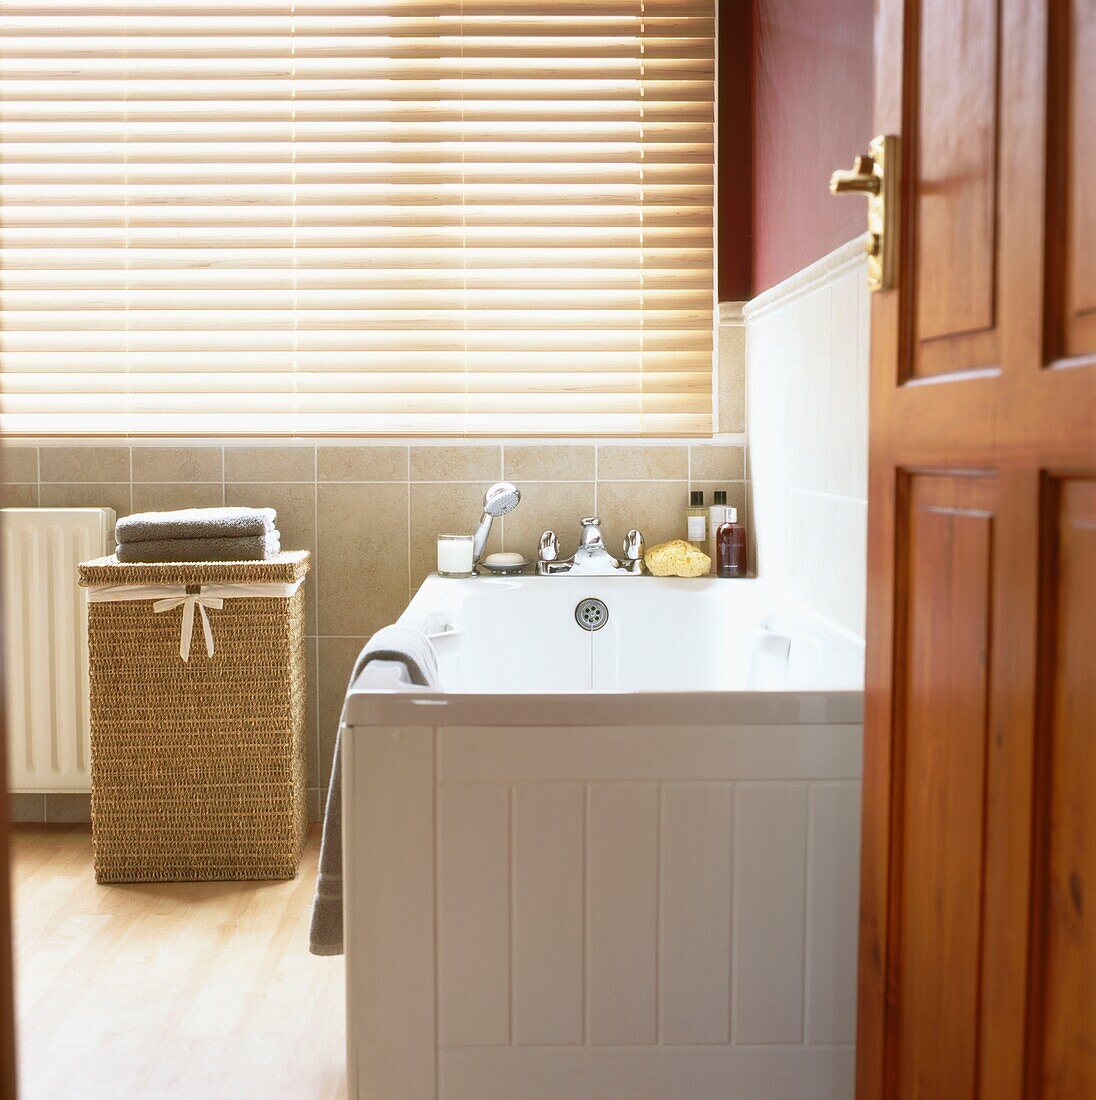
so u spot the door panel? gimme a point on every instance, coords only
(1076, 35)
(1064, 982)
(956, 203)
(947, 644)
(977, 877)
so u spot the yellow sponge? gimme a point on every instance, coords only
(677, 558)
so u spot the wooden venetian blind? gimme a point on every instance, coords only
(345, 216)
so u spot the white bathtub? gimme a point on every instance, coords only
(619, 863)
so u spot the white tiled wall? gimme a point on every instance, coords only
(807, 353)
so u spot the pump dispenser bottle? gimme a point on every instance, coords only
(730, 546)
(716, 515)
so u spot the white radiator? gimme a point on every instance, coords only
(45, 643)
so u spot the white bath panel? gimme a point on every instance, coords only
(623, 904)
(548, 912)
(694, 951)
(45, 643)
(474, 914)
(592, 912)
(770, 858)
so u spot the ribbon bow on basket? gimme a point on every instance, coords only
(188, 602)
(167, 597)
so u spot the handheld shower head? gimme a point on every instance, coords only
(499, 500)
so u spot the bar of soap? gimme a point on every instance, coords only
(503, 559)
(677, 558)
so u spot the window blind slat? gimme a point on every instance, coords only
(356, 217)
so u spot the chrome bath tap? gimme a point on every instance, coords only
(591, 559)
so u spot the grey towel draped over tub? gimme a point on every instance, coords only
(415, 651)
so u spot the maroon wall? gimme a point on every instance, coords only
(812, 113)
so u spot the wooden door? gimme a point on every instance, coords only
(978, 904)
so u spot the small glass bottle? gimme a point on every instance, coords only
(696, 521)
(716, 515)
(730, 546)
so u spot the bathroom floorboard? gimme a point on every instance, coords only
(181, 990)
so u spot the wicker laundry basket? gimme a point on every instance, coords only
(197, 767)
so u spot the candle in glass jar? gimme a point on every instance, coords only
(455, 555)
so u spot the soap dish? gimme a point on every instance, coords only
(504, 569)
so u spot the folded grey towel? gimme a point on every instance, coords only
(415, 651)
(195, 523)
(252, 548)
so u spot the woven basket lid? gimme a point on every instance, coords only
(285, 568)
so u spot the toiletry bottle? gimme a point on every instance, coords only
(696, 521)
(730, 546)
(716, 515)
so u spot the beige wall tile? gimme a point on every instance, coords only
(548, 504)
(548, 462)
(177, 464)
(268, 464)
(362, 548)
(337, 657)
(731, 377)
(444, 510)
(456, 463)
(296, 507)
(68, 808)
(19, 496)
(84, 463)
(657, 508)
(168, 496)
(713, 462)
(295, 504)
(116, 496)
(626, 463)
(18, 464)
(353, 463)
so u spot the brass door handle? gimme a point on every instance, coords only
(862, 177)
(876, 176)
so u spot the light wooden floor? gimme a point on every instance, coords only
(184, 990)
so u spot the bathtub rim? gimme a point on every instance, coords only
(370, 704)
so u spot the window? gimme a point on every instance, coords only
(355, 217)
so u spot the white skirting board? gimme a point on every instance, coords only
(45, 644)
